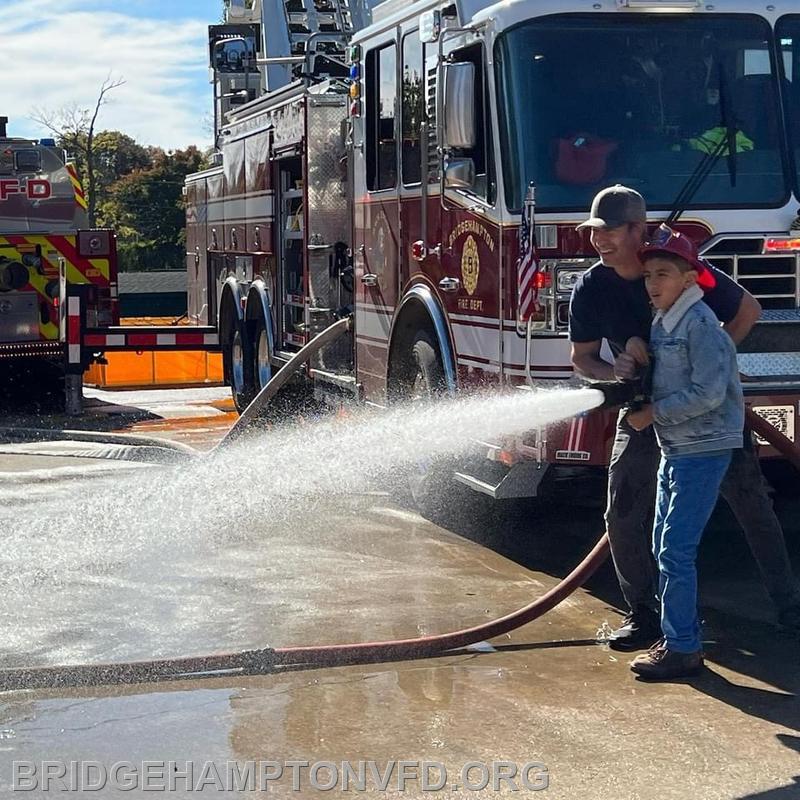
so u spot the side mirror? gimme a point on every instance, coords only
(459, 173)
(231, 55)
(459, 105)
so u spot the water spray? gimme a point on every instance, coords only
(270, 660)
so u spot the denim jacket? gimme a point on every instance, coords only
(698, 405)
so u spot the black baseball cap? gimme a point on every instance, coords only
(615, 206)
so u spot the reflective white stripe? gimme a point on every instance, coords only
(579, 433)
(74, 306)
(480, 342)
(375, 324)
(544, 352)
(115, 340)
(371, 343)
(165, 338)
(210, 338)
(74, 354)
(473, 341)
(466, 362)
(543, 374)
(481, 320)
(571, 434)
(377, 308)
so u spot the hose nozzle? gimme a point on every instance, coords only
(619, 393)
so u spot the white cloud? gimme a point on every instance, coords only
(61, 57)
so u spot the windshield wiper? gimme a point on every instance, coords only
(711, 156)
(727, 123)
(695, 181)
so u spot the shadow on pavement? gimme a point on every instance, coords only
(550, 535)
(784, 793)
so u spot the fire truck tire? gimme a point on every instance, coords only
(427, 372)
(431, 484)
(262, 366)
(237, 363)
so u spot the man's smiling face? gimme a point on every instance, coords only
(617, 246)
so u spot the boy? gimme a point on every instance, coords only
(697, 411)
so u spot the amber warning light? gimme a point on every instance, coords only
(782, 245)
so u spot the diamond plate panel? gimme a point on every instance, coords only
(328, 204)
(769, 364)
(780, 315)
(329, 222)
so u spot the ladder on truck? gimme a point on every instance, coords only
(319, 29)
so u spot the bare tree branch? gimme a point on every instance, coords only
(75, 127)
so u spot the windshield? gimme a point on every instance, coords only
(590, 100)
(788, 36)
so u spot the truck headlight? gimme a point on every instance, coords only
(566, 279)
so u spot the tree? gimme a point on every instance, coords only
(75, 128)
(116, 155)
(147, 209)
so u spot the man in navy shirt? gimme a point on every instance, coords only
(610, 303)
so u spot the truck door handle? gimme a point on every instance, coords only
(369, 279)
(449, 284)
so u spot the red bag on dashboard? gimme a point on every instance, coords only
(582, 159)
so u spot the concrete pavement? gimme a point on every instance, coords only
(368, 567)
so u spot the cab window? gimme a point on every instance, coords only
(412, 108)
(481, 153)
(381, 136)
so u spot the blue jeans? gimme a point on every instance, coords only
(688, 487)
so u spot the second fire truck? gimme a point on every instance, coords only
(374, 161)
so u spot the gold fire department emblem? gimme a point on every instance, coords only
(470, 265)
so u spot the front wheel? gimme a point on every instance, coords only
(428, 379)
(422, 380)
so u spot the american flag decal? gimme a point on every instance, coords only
(528, 261)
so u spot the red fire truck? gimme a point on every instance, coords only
(46, 244)
(58, 276)
(374, 161)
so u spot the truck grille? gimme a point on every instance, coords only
(772, 278)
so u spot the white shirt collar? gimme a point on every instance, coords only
(674, 314)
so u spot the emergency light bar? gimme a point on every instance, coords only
(782, 245)
(677, 5)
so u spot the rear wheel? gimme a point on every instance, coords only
(262, 366)
(237, 363)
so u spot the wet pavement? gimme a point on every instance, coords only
(363, 567)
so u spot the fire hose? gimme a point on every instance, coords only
(268, 660)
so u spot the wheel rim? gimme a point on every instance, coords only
(419, 387)
(263, 366)
(237, 363)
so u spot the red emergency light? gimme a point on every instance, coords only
(542, 280)
(782, 245)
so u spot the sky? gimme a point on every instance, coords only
(57, 53)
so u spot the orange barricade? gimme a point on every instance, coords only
(164, 368)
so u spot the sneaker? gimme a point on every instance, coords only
(789, 617)
(639, 630)
(660, 663)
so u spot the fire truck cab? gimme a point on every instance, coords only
(373, 160)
